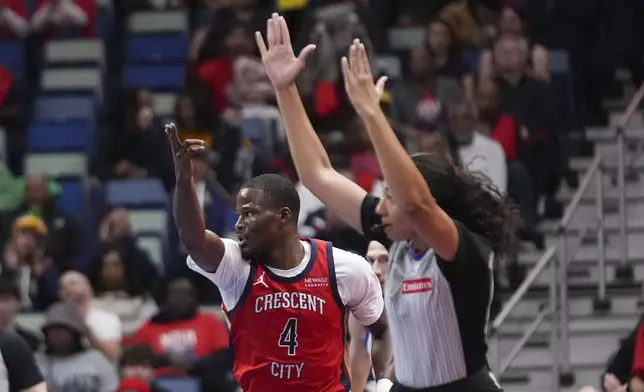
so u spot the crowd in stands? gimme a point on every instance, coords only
(502, 87)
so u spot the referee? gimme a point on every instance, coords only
(18, 369)
(446, 226)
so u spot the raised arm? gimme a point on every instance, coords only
(406, 184)
(204, 246)
(338, 193)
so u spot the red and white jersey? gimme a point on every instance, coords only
(287, 326)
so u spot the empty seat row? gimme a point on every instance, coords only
(162, 78)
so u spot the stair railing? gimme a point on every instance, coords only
(557, 259)
(625, 271)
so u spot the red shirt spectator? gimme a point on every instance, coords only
(505, 132)
(200, 335)
(180, 331)
(14, 19)
(216, 75)
(65, 17)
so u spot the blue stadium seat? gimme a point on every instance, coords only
(144, 193)
(155, 77)
(559, 61)
(56, 137)
(158, 48)
(253, 129)
(62, 109)
(72, 199)
(178, 384)
(12, 56)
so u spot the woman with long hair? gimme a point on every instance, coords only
(448, 228)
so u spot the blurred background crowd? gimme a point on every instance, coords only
(504, 87)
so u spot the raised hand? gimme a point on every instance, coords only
(183, 151)
(358, 80)
(282, 67)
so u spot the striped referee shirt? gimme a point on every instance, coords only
(437, 310)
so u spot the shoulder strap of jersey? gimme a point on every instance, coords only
(249, 285)
(327, 248)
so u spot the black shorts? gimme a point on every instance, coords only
(480, 381)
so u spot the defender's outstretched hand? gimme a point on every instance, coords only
(358, 80)
(183, 151)
(282, 67)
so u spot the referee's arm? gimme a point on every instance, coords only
(22, 372)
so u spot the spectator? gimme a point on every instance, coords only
(14, 20)
(118, 289)
(103, 328)
(137, 367)
(577, 26)
(215, 199)
(65, 18)
(12, 190)
(180, 331)
(476, 152)
(333, 28)
(250, 85)
(533, 105)
(194, 122)
(244, 14)
(513, 22)
(364, 165)
(12, 119)
(66, 363)
(411, 12)
(216, 72)
(419, 100)
(65, 237)
(115, 229)
(25, 265)
(434, 143)
(473, 22)
(506, 131)
(441, 42)
(139, 148)
(537, 63)
(9, 306)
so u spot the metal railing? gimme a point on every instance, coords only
(558, 257)
(621, 170)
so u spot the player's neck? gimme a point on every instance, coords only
(419, 246)
(287, 255)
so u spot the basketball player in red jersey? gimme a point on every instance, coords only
(285, 298)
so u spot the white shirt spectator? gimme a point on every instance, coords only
(103, 324)
(486, 156)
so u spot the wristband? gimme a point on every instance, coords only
(384, 385)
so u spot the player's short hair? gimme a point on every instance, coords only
(278, 189)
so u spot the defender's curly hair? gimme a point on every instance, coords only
(473, 200)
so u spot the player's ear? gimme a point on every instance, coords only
(285, 215)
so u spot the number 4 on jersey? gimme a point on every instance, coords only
(288, 337)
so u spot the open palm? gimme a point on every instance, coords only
(282, 67)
